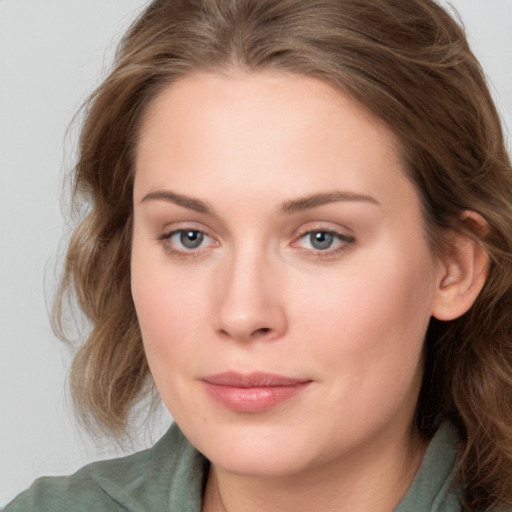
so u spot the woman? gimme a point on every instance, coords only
(299, 231)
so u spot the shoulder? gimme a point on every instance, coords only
(82, 491)
(74, 493)
(130, 484)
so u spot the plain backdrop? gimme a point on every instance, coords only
(52, 54)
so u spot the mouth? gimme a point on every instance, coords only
(253, 392)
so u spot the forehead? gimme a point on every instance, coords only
(268, 130)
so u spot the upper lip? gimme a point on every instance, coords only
(253, 380)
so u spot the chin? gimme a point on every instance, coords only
(260, 463)
(258, 451)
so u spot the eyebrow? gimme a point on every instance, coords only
(315, 200)
(179, 199)
(287, 208)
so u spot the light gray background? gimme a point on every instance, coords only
(52, 54)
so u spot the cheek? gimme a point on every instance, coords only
(168, 316)
(369, 323)
(167, 312)
(168, 319)
(166, 296)
(368, 339)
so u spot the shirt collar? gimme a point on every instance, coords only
(172, 476)
(432, 489)
(169, 476)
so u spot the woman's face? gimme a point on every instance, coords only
(280, 272)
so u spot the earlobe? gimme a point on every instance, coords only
(463, 270)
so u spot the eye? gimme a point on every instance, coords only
(186, 241)
(188, 238)
(322, 240)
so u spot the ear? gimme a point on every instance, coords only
(463, 270)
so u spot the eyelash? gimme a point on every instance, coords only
(344, 243)
(166, 240)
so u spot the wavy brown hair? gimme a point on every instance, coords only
(408, 62)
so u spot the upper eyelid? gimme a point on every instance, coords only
(324, 230)
(185, 226)
(309, 227)
(343, 237)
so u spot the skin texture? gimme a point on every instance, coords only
(257, 294)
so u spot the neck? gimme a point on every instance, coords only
(373, 479)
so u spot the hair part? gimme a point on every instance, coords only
(406, 61)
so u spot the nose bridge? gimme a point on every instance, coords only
(250, 302)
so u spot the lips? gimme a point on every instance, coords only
(254, 392)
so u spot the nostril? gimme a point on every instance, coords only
(261, 331)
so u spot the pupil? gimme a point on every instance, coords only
(321, 240)
(191, 239)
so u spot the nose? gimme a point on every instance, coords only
(250, 302)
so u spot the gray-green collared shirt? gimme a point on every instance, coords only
(170, 477)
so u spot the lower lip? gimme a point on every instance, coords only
(253, 399)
